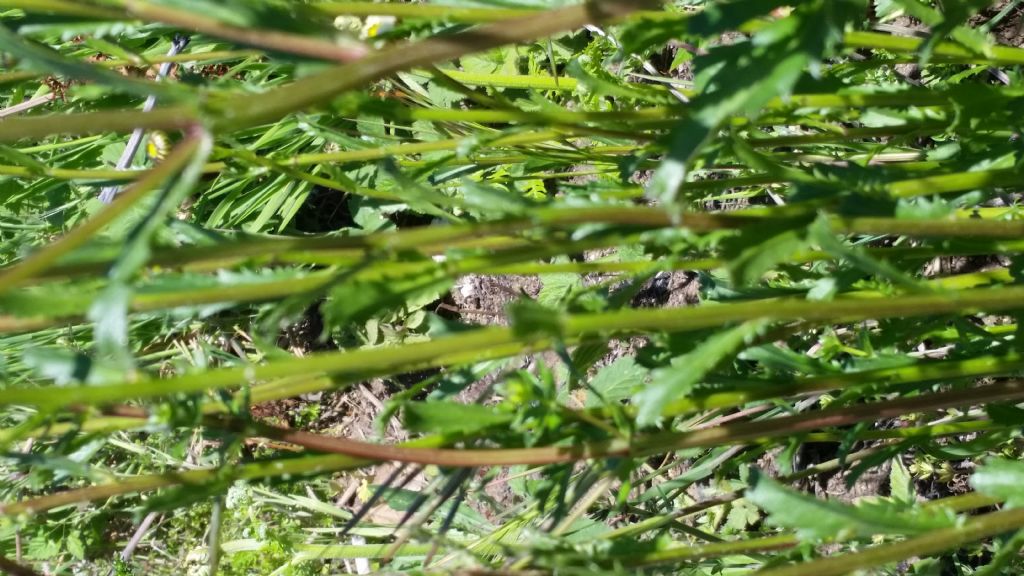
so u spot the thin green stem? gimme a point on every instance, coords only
(422, 11)
(524, 82)
(844, 135)
(958, 182)
(922, 373)
(341, 551)
(35, 127)
(62, 8)
(915, 432)
(677, 554)
(433, 240)
(995, 55)
(975, 529)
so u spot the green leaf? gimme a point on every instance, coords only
(1005, 414)
(645, 33)
(720, 17)
(110, 313)
(901, 483)
(465, 516)
(350, 302)
(822, 235)
(18, 157)
(530, 318)
(450, 417)
(702, 468)
(739, 79)
(741, 516)
(66, 367)
(686, 371)
(75, 545)
(826, 519)
(596, 81)
(1001, 479)
(758, 249)
(420, 197)
(483, 200)
(555, 287)
(947, 22)
(684, 142)
(615, 382)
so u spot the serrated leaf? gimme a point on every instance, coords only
(739, 79)
(741, 516)
(701, 469)
(594, 80)
(75, 545)
(644, 33)
(615, 382)
(555, 287)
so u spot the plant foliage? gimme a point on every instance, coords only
(476, 286)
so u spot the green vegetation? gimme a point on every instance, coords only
(710, 287)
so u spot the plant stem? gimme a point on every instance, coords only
(922, 373)
(677, 554)
(62, 8)
(958, 182)
(422, 11)
(356, 454)
(731, 433)
(262, 38)
(975, 529)
(167, 119)
(996, 55)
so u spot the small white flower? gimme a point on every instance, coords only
(377, 25)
